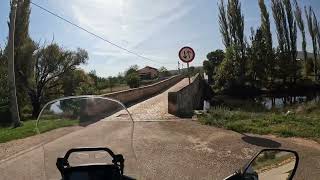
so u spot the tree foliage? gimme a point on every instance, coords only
(292, 43)
(112, 82)
(132, 77)
(266, 40)
(163, 72)
(236, 27)
(231, 22)
(77, 82)
(216, 57)
(287, 38)
(300, 23)
(210, 65)
(313, 34)
(3, 79)
(257, 62)
(226, 75)
(51, 63)
(257, 58)
(223, 23)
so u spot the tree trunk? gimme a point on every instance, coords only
(35, 108)
(210, 77)
(14, 109)
(315, 68)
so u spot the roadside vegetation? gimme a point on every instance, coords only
(294, 121)
(258, 66)
(29, 128)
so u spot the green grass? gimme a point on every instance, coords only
(28, 128)
(304, 122)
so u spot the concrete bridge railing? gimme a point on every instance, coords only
(182, 102)
(141, 93)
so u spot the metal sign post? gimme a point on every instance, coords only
(188, 73)
(186, 55)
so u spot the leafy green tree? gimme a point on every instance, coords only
(132, 77)
(132, 69)
(236, 28)
(300, 23)
(164, 72)
(283, 56)
(216, 57)
(287, 38)
(121, 79)
(268, 53)
(292, 43)
(112, 82)
(3, 79)
(208, 69)
(227, 75)
(214, 60)
(223, 23)
(278, 14)
(95, 78)
(313, 34)
(257, 58)
(4, 90)
(133, 80)
(51, 63)
(231, 21)
(77, 82)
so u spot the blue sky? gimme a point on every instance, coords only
(155, 29)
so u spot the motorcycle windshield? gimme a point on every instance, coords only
(87, 121)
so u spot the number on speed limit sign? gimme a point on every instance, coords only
(186, 54)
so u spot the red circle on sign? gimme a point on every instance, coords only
(183, 58)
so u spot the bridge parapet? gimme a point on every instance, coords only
(182, 102)
(137, 94)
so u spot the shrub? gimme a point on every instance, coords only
(133, 80)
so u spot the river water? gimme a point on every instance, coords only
(278, 102)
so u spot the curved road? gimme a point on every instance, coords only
(166, 147)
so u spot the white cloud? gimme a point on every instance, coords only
(133, 24)
(133, 21)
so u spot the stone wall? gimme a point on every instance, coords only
(141, 93)
(182, 102)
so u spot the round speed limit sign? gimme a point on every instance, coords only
(186, 54)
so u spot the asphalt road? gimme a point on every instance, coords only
(166, 147)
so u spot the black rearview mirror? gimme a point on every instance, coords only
(276, 164)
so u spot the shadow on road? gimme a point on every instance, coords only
(263, 142)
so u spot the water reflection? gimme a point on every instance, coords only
(281, 102)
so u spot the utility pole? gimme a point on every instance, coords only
(14, 109)
(179, 67)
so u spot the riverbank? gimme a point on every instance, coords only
(299, 120)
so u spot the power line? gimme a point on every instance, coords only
(95, 35)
